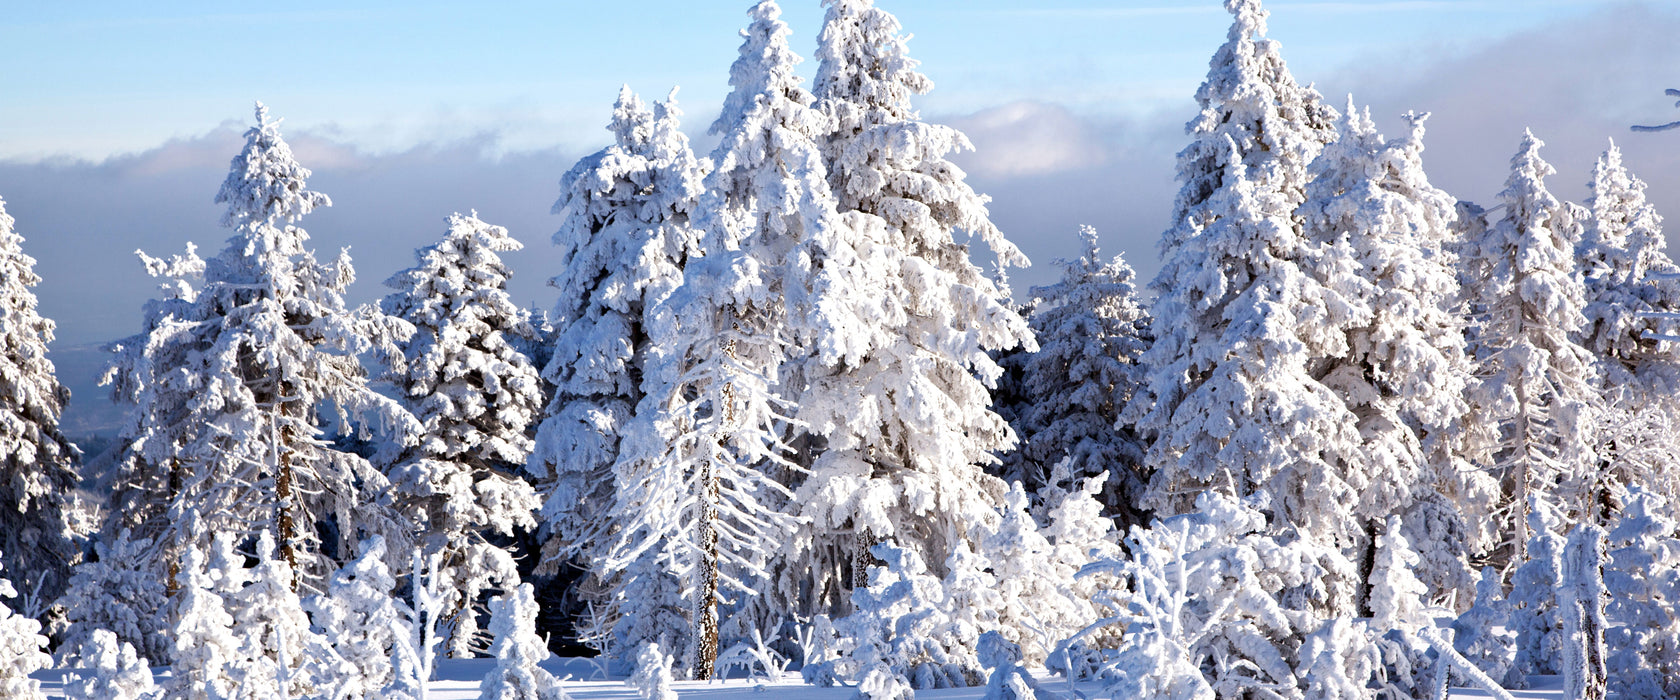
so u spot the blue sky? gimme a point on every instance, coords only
(128, 76)
(118, 120)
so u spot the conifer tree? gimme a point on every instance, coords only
(1074, 388)
(518, 650)
(476, 395)
(895, 366)
(1387, 234)
(359, 617)
(1540, 384)
(1632, 305)
(694, 486)
(625, 235)
(118, 592)
(1240, 324)
(202, 633)
(37, 463)
(22, 650)
(235, 377)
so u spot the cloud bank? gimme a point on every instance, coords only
(1047, 169)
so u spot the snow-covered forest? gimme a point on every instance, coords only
(787, 426)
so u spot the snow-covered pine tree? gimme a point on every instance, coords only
(1540, 385)
(1533, 601)
(518, 650)
(1240, 325)
(118, 592)
(23, 649)
(1092, 333)
(235, 379)
(895, 372)
(202, 634)
(1396, 593)
(1633, 303)
(476, 395)
(359, 618)
(1474, 633)
(280, 653)
(1642, 576)
(652, 678)
(37, 463)
(108, 669)
(694, 472)
(1388, 237)
(624, 237)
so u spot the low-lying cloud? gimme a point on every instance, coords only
(1047, 169)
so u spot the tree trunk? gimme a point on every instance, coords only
(704, 647)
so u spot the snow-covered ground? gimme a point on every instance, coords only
(459, 680)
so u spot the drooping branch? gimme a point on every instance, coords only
(1671, 92)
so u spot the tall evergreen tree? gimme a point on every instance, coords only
(1075, 387)
(1633, 304)
(235, 377)
(625, 234)
(1387, 234)
(1240, 323)
(37, 463)
(896, 371)
(476, 395)
(694, 482)
(1540, 384)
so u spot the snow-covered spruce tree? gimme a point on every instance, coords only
(1396, 593)
(1035, 604)
(23, 649)
(37, 463)
(1091, 335)
(1642, 576)
(233, 379)
(652, 678)
(1540, 386)
(202, 634)
(1628, 276)
(281, 655)
(360, 619)
(1633, 296)
(903, 634)
(1387, 236)
(475, 395)
(108, 670)
(518, 650)
(117, 592)
(695, 473)
(1232, 404)
(624, 236)
(1533, 601)
(1474, 635)
(895, 372)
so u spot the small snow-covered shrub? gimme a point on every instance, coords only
(1642, 577)
(22, 650)
(1008, 681)
(901, 627)
(652, 679)
(1474, 633)
(116, 592)
(1201, 607)
(110, 670)
(518, 650)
